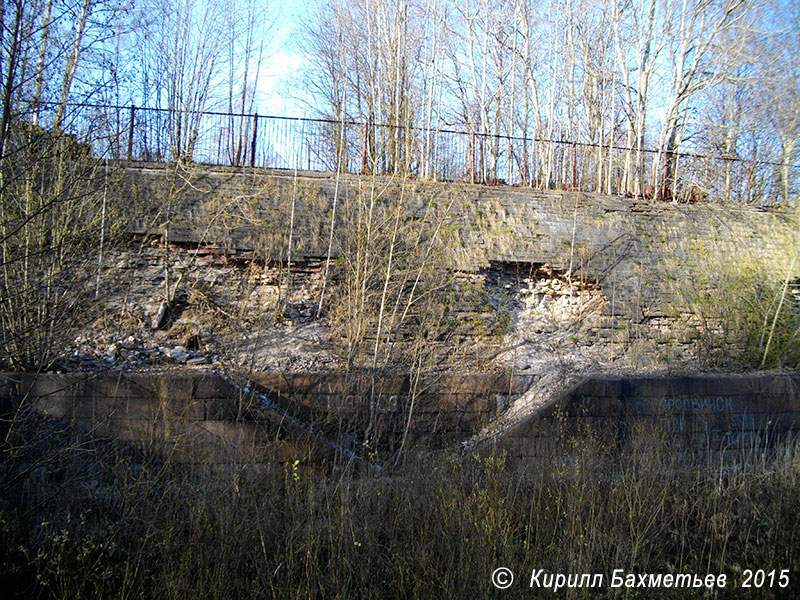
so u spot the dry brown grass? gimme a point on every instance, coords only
(84, 519)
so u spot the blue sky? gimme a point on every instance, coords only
(285, 61)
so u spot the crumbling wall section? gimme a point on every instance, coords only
(641, 255)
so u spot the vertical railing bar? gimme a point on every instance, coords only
(253, 143)
(130, 133)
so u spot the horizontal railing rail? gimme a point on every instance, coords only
(443, 153)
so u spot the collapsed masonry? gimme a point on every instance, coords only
(536, 275)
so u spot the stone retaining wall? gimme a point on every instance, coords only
(628, 246)
(711, 414)
(197, 417)
(193, 417)
(649, 260)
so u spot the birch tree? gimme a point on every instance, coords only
(246, 33)
(694, 26)
(185, 44)
(783, 91)
(47, 204)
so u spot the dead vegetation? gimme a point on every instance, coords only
(82, 518)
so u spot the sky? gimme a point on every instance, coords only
(284, 63)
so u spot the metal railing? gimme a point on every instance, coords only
(441, 154)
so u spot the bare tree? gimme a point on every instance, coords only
(783, 89)
(183, 43)
(247, 31)
(694, 26)
(380, 43)
(48, 199)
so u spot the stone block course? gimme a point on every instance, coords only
(715, 413)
